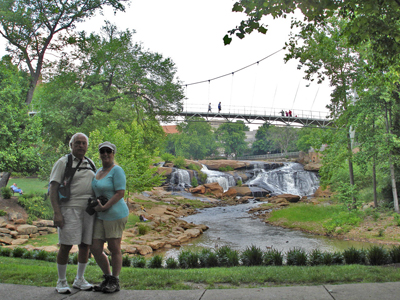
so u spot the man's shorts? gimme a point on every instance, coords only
(78, 227)
(104, 230)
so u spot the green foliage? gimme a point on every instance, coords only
(202, 177)
(283, 138)
(18, 252)
(193, 166)
(5, 251)
(126, 261)
(42, 255)
(226, 169)
(377, 255)
(231, 137)
(6, 192)
(354, 256)
(155, 262)
(73, 258)
(252, 256)
(207, 258)
(227, 257)
(171, 263)
(138, 262)
(167, 157)
(273, 257)
(296, 257)
(36, 205)
(343, 221)
(263, 144)
(143, 229)
(179, 162)
(316, 257)
(188, 259)
(394, 253)
(2, 212)
(239, 182)
(194, 182)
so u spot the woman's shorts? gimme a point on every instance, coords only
(104, 230)
(78, 227)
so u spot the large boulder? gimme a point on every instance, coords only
(217, 164)
(214, 188)
(27, 229)
(242, 191)
(314, 167)
(288, 197)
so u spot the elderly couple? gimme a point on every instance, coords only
(90, 232)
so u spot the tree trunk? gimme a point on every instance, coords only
(4, 179)
(351, 172)
(374, 182)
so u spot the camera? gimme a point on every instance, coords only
(92, 203)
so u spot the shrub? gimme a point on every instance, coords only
(226, 169)
(167, 157)
(179, 162)
(43, 255)
(28, 255)
(397, 219)
(156, 262)
(273, 257)
(193, 166)
(5, 251)
(203, 257)
(73, 258)
(296, 257)
(138, 262)
(143, 229)
(316, 257)
(188, 260)
(171, 263)
(92, 262)
(377, 255)
(6, 192)
(18, 252)
(52, 257)
(194, 182)
(227, 257)
(394, 254)
(239, 182)
(126, 261)
(354, 256)
(35, 205)
(2, 212)
(202, 176)
(252, 256)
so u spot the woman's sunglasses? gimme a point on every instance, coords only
(103, 150)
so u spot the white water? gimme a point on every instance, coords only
(223, 179)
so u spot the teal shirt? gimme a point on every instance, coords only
(114, 181)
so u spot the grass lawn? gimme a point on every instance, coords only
(29, 185)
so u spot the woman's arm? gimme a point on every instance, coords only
(114, 199)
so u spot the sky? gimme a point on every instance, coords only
(191, 34)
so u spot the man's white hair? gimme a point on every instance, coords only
(72, 140)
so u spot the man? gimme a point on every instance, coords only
(75, 226)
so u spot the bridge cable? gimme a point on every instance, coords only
(254, 86)
(295, 96)
(236, 70)
(230, 100)
(315, 98)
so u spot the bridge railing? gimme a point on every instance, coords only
(270, 156)
(257, 111)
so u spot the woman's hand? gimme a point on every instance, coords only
(99, 207)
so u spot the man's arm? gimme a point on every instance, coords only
(57, 218)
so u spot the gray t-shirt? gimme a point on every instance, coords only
(81, 186)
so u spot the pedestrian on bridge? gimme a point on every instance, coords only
(282, 113)
(219, 107)
(209, 107)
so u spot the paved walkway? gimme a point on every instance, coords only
(380, 291)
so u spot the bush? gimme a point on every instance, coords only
(6, 192)
(252, 256)
(337, 258)
(239, 182)
(18, 252)
(193, 166)
(35, 205)
(296, 257)
(188, 260)
(73, 258)
(126, 261)
(167, 157)
(227, 257)
(226, 169)
(138, 262)
(273, 257)
(202, 177)
(156, 262)
(194, 182)
(143, 229)
(5, 251)
(28, 255)
(43, 255)
(171, 263)
(316, 257)
(52, 257)
(179, 162)
(2, 212)
(377, 255)
(354, 256)
(394, 254)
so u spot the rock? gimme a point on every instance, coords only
(19, 241)
(50, 248)
(129, 249)
(194, 232)
(27, 229)
(201, 189)
(217, 164)
(144, 249)
(43, 223)
(319, 193)
(288, 197)
(12, 216)
(6, 240)
(5, 230)
(20, 221)
(230, 193)
(156, 244)
(214, 188)
(11, 227)
(164, 170)
(3, 222)
(313, 167)
(242, 191)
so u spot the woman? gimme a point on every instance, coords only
(111, 218)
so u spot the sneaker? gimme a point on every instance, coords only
(62, 287)
(100, 287)
(112, 285)
(82, 284)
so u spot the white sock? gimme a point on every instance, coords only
(62, 272)
(81, 270)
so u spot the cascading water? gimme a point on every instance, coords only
(180, 179)
(289, 179)
(223, 179)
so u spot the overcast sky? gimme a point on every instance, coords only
(191, 34)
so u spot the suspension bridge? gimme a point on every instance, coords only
(256, 115)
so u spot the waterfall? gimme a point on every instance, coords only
(223, 179)
(180, 179)
(289, 179)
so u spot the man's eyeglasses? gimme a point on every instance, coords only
(103, 150)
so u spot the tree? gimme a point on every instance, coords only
(263, 143)
(309, 137)
(19, 133)
(108, 77)
(283, 138)
(30, 27)
(232, 137)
